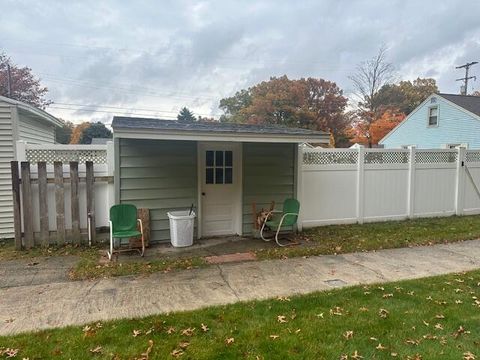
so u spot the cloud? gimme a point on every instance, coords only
(165, 55)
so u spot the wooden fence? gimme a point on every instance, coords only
(23, 193)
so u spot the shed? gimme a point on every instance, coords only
(221, 168)
(18, 121)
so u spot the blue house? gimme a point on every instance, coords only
(442, 121)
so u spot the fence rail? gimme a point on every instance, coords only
(359, 185)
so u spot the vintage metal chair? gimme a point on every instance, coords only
(276, 219)
(123, 224)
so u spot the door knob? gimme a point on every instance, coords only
(203, 194)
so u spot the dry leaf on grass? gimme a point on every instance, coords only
(184, 344)
(383, 313)
(348, 334)
(229, 341)
(176, 353)
(136, 332)
(188, 331)
(273, 337)
(204, 327)
(281, 318)
(356, 356)
(380, 347)
(96, 350)
(468, 356)
(171, 330)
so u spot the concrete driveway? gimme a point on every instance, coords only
(45, 304)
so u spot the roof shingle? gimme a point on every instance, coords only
(123, 122)
(468, 102)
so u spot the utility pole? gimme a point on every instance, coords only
(464, 89)
(9, 81)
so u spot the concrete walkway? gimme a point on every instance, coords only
(40, 306)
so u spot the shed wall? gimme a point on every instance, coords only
(35, 131)
(160, 175)
(268, 175)
(6, 155)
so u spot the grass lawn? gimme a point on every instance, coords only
(334, 239)
(432, 318)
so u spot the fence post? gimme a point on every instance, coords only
(59, 202)
(27, 205)
(90, 190)
(411, 182)
(21, 150)
(460, 181)
(299, 164)
(75, 205)
(17, 215)
(43, 203)
(360, 183)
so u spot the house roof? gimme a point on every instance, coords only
(122, 124)
(32, 110)
(468, 102)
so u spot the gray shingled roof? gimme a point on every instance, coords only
(468, 102)
(134, 123)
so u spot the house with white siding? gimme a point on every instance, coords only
(19, 121)
(441, 121)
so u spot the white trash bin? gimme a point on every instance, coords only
(181, 227)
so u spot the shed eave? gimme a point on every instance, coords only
(218, 136)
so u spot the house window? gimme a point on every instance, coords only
(218, 167)
(433, 116)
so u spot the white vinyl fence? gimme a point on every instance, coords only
(103, 163)
(361, 185)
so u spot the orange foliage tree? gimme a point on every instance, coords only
(77, 132)
(369, 134)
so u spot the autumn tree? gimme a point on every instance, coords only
(63, 134)
(406, 95)
(185, 115)
(77, 132)
(307, 103)
(370, 77)
(476, 93)
(95, 130)
(370, 134)
(20, 84)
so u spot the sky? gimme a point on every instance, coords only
(151, 58)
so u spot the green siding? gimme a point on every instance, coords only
(268, 174)
(160, 175)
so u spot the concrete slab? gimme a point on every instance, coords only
(38, 304)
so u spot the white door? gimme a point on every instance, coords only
(221, 188)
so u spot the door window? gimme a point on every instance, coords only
(218, 167)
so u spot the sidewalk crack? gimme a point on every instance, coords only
(222, 275)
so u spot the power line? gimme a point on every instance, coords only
(109, 112)
(464, 88)
(95, 106)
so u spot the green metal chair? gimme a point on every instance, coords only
(277, 219)
(123, 224)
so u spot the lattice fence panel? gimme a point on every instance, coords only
(384, 157)
(472, 156)
(330, 158)
(50, 156)
(435, 157)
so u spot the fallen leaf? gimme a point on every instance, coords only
(229, 341)
(146, 354)
(356, 356)
(380, 347)
(348, 334)
(281, 318)
(8, 321)
(96, 350)
(171, 330)
(177, 353)
(383, 313)
(468, 356)
(184, 344)
(439, 326)
(188, 332)
(273, 337)
(136, 332)
(204, 327)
